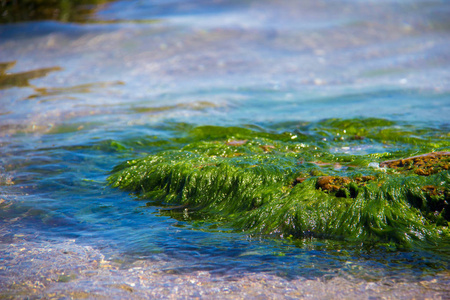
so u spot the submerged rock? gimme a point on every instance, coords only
(288, 184)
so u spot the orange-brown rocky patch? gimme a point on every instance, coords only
(267, 148)
(364, 179)
(332, 183)
(425, 164)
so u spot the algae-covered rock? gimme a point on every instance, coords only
(293, 184)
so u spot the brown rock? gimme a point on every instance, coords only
(424, 165)
(332, 183)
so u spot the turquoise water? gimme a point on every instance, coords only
(139, 71)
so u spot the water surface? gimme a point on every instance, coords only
(80, 95)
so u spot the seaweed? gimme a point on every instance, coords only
(59, 10)
(8, 80)
(291, 184)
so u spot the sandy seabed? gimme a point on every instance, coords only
(67, 270)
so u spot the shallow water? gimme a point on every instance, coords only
(78, 98)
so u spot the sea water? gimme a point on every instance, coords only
(78, 97)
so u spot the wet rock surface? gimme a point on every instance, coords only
(425, 164)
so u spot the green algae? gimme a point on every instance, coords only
(197, 105)
(58, 10)
(9, 80)
(291, 184)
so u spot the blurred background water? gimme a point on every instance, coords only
(85, 85)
